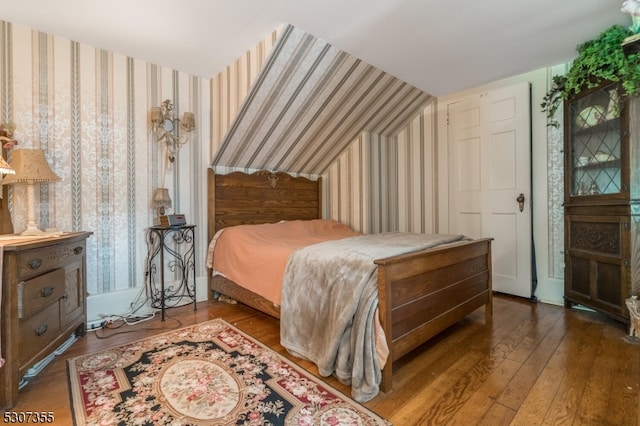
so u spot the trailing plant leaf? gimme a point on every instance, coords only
(599, 60)
(553, 99)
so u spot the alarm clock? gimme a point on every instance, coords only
(176, 219)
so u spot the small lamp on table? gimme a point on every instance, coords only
(30, 167)
(161, 201)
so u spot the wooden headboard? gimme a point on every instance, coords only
(239, 198)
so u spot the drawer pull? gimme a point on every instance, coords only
(77, 250)
(47, 291)
(35, 263)
(41, 330)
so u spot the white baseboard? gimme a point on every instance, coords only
(118, 303)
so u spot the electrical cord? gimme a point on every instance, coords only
(121, 323)
(130, 318)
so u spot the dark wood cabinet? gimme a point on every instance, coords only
(43, 302)
(601, 200)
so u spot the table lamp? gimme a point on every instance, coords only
(30, 167)
(161, 201)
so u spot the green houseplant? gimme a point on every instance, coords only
(599, 60)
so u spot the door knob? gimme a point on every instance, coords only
(520, 201)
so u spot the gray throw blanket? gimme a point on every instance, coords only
(329, 298)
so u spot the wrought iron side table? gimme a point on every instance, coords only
(171, 252)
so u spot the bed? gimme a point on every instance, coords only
(420, 293)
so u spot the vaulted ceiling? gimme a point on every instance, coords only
(437, 46)
(310, 101)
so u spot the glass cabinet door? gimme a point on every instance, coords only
(595, 143)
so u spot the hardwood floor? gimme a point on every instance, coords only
(533, 364)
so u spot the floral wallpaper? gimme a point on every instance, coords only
(88, 110)
(555, 188)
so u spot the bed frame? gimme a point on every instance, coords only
(420, 293)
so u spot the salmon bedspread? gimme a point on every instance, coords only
(255, 256)
(319, 272)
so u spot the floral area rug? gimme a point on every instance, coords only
(206, 374)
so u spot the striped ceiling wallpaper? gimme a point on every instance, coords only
(309, 103)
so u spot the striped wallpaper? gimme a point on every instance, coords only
(87, 108)
(382, 183)
(292, 103)
(315, 110)
(309, 103)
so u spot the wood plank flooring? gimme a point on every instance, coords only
(534, 364)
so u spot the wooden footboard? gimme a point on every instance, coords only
(422, 293)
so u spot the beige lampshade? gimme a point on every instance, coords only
(30, 166)
(5, 168)
(188, 122)
(161, 200)
(156, 116)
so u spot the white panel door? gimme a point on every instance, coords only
(489, 168)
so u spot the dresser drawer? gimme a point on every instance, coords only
(34, 262)
(39, 330)
(43, 303)
(36, 293)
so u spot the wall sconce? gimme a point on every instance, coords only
(171, 130)
(174, 133)
(30, 167)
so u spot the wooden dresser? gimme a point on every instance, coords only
(43, 303)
